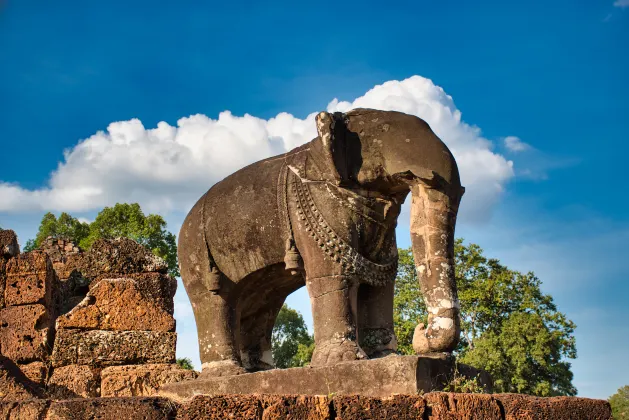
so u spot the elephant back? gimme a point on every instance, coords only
(244, 226)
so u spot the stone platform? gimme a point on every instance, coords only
(377, 378)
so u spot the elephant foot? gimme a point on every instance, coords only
(434, 340)
(259, 366)
(333, 352)
(378, 342)
(221, 368)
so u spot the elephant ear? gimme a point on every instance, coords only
(338, 146)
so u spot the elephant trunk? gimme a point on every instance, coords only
(433, 217)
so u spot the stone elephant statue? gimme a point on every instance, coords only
(324, 215)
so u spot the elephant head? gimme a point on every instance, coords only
(392, 154)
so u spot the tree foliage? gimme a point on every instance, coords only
(509, 327)
(291, 343)
(620, 403)
(185, 363)
(121, 220)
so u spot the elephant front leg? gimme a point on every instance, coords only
(333, 301)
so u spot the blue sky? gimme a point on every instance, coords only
(551, 76)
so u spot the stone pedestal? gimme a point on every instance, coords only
(373, 378)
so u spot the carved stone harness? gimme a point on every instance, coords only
(328, 240)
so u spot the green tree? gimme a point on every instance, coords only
(620, 403)
(291, 343)
(185, 363)
(509, 327)
(121, 220)
(65, 226)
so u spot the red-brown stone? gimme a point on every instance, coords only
(141, 380)
(8, 244)
(119, 256)
(3, 279)
(36, 372)
(220, 407)
(24, 410)
(134, 302)
(454, 406)
(112, 409)
(25, 333)
(74, 381)
(14, 385)
(108, 348)
(307, 407)
(402, 407)
(30, 279)
(526, 407)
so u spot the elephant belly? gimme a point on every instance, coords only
(243, 225)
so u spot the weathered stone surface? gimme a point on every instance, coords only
(402, 407)
(306, 407)
(119, 256)
(8, 244)
(374, 378)
(452, 406)
(220, 407)
(14, 385)
(36, 372)
(25, 333)
(30, 279)
(141, 380)
(325, 214)
(525, 407)
(23, 410)
(74, 381)
(107, 348)
(112, 409)
(3, 280)
(135, 302)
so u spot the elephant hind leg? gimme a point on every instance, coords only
(212, 297)
(375, 320)
(255, 339)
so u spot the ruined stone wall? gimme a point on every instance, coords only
(91, 335)
(432, 406)
(85, 324)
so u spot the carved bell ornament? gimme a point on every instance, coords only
(292, 258)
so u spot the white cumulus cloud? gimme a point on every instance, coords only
(621, 3)
(514, 144)
(167, 168)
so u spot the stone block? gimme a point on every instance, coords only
(526, 407)
(136, 302)
(373, 378)
(14, 385)
(30, 279)
(119, 256)
(3, 280)
(112, 409)
(68, 266)
(141, 380)
(74, 381)
(25, 333)
(402, 407)
(108, 348)
(8, 244)
(451, 406)
(36, 372)
(306, 407)
(221, 407)
(24, 410)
